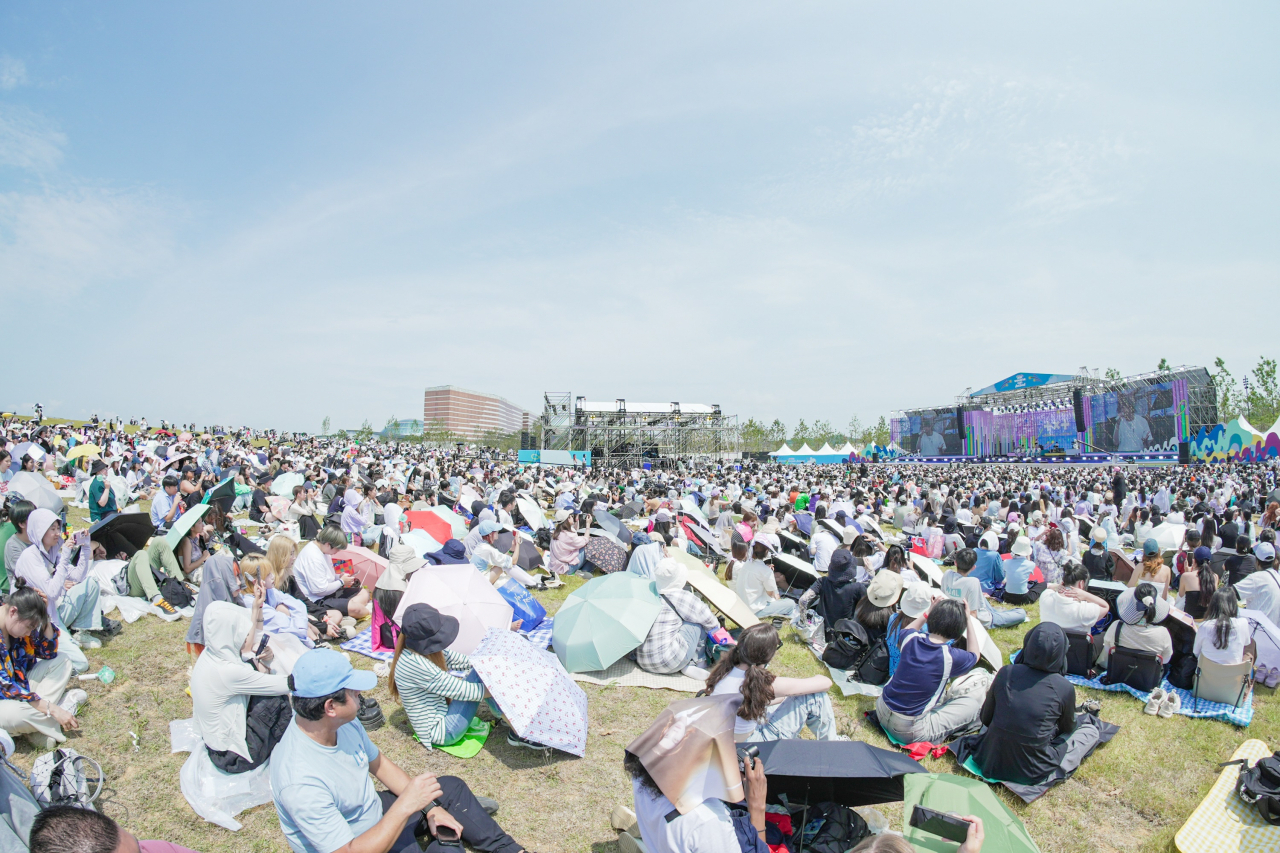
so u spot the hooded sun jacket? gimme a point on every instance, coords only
(221, 683)
(1029, 711)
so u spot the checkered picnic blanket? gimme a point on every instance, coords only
(361, 644)
(1241, 716)
(1223, 821)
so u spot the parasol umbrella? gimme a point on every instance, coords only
(467, 495)
(701, 535)
(926, 568)
(123, 531)
(1168, 536)
(428, 522)
(792, 544)
(688, 505)
(631, 510)
(175, 459)
(1124, 567)
(184, 523)
(365, 565)
(186, 436)
(528, 557)
(457, 524)
(533, 515)
(834, 527)
(463, 593)
(532, 689)
(84, 450)
(690, 753)
(720, 596)
(604, 553)
(804, 521)
(223, 494)
(963, 795)
(421, 542)
(35, 488)
(26, 448)
(619, 531)
(603, 620)
(851, 773)
(279, 507)
(283, 485)
(799, 573)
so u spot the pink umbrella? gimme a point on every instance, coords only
(365, 565)
(536, 695)
(279, 507)
(186, 436)
(463, 593)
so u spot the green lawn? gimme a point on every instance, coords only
(1132, 795)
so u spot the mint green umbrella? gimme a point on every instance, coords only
(962, 795)
(184, 523)
(602, 620)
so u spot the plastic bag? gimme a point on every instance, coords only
(526, 608)
(214, 795)
(132, 609)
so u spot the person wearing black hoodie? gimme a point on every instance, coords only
(1030, 715)
(839, 592)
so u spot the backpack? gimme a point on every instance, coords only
(172, 590)
(830, 828)
(1140, 670)
(542, 538)
(58, 779)
(854, 651)
(1259, 786)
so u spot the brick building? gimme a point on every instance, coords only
(469, 413)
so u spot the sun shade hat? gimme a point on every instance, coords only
(1099, 534)
(990, 541)
(670, 575)
(321, 672)
(915, 600)
(850, 534)
(427, 630)
(1131, 610)
(401, 562)
(885, 588)
(562, 514)
(768, 540)
(662, 515)
(98, 467)
(1021, 547)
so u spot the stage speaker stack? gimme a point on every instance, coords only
(526, 441)
(1077, 403)
(1184, 453)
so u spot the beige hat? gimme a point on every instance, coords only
(670, 575)
(885, 588)
(915, 600)
(850, 534)
(561, 515)
(1021, 546)
(402, 562)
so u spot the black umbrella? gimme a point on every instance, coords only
(792, 544)
(850, 772)
(126, 532)
(608, 522)
(527, 558)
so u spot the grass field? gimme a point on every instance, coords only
(1132, 795)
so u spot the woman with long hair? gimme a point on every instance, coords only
(1153, 570)
(1199, 584)
(1224, 636)
(281, 613)
(568, 545)
(33, 676)
(281, 552)
(773, 708)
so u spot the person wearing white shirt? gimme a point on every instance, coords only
(1260, 590)
(754, 581)
(1069, 604)
(318, 581)
(823, 546)
(1224, 637)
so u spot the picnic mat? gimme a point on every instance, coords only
(851, 687)
(626, 673)
(1241, 716)
(1223, 821)
(362, 643)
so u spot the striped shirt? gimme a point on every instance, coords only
(664, 651)
(425, 688)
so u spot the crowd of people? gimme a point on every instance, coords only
(834, 550)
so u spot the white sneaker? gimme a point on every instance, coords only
(85, 640)
(553, 582)
(1153, 703)
(1171, 705)
(695, 672)
(72, 700)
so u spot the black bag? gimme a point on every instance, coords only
(1259, 785)
(1081, 654)
(543, 538)
(854, 651)
(172, 590)
(840, 829)
(1140, 670)
(1182, 670)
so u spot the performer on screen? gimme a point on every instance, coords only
(931, 443)
(1132, 432)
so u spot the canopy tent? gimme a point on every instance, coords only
(826, 450)
(782, 451)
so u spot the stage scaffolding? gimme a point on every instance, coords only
(618, 433)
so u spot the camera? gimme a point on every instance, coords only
(747, 757)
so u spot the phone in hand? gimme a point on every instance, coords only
(940, 824)
(447, 836)
(262, 646)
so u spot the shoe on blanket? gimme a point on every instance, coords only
(1171, 705)
(1089, 706)
(1153, 702)
(159, 601)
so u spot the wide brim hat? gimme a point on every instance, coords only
(1021, 547)
(915, 599)
(402, 561)
(1131, 610)
(670, 575)
(885, 588)
(427, 630)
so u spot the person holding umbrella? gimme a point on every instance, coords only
(489, 559)
(675, 642)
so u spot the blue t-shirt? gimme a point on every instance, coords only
(919, 673)
(989, 569)
(1017, 572)
(324, 796)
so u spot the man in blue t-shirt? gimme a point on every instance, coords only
(989, 571)
(320, 772)
(917, 703)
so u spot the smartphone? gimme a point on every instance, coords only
(448, 837)
(937, 823)
(262, 647)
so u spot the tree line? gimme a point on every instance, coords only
(757, 437)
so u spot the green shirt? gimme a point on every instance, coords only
(95, 492)
(802, 502)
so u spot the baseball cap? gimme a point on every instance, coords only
(321, 672)
(1264, 551)
(486, 527)
(1150, 548)
(1202, 554)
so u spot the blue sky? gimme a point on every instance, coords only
(270, 213)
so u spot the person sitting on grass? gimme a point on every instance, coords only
(1140, 609)
(1153, 570)
(1018, 586)
(71, 594)
(69, 829)
(102, 499)
(19, 512)
(282, 551)
(166, 506)
(677, 640)
(33, 676)
(281, 612)
(957, 583)
(568, 545)
(320, 778)
(440, 707)
(755, 583)
(1069, 604)
(919, 703)
(489, 559)
(1225, 636)
(773, 707)
(387, 593)
(143, 566)
(318, 581)
(1098, 560)
(989, 569)
(240, 707)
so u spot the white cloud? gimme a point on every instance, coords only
(28, 141)
(13, 72)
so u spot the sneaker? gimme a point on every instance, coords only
(627, 843)
(541, 587)
(85, 640)
(1089, 706)
(553, 582)
(1153, 703)
(1273, 677)
(623, 819)
(72, 700)
(514, 739)
(159, 601)
(370, 713)
(1171, 705)
(490, 806)
(111, 627)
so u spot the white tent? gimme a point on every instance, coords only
(805, 450)
(783, 451)
(827, 450)
(847, 449)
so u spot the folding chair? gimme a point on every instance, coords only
(1218, 682)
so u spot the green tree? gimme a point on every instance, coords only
(324, 426)
(881, 434)
(1163, 366)
(822, 433)
(801, 434)
(1230, 400)
(364, 435)
(755, 437)
(392, 427)
(1262, 397)
(1112, 375)
(777, 433)
(856, 430)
